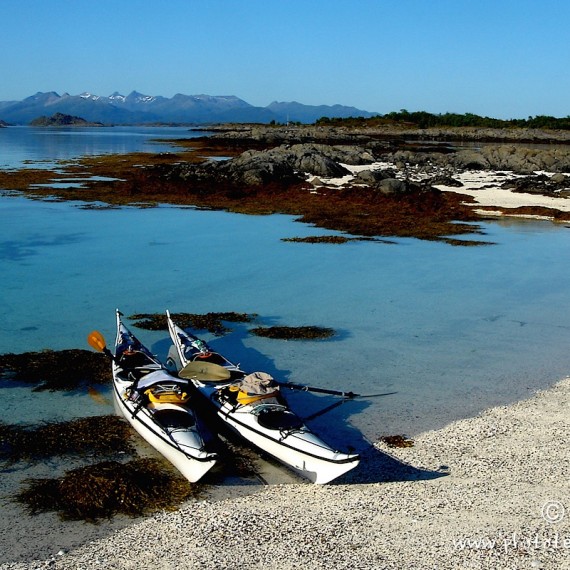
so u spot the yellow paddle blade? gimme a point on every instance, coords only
(96, 340)
(204, 371)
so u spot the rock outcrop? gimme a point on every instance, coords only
(62, 120)
(516, 158)
(283, 164)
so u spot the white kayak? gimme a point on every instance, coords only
(156, 404)
(252, 405)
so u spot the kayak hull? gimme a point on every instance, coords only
(170, 428)
(272, 428)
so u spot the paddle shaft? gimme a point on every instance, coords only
(318, 390)
(348, 395)
(324, 410)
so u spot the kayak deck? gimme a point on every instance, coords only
(264, 420)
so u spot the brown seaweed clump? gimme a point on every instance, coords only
(56, 370)
(334, 239)
(294, 333)
(106, 489)
(321, 239)
(95, 435)
(211, 322)
(397, 441)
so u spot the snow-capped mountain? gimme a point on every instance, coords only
(137, 108)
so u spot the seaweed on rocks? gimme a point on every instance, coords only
(397, 441)
(145, 181)
(103, 490)
(101, 435)
(211, 322)
(262, 176)
(336, 240)
(56, 370)
(530, 211)
(294, 333)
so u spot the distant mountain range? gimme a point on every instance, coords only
(137, 108)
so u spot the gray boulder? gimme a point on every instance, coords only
(560, 178)
(373, 177)
(285, 160)
(319, 165)
(391, 186)
(254, 168)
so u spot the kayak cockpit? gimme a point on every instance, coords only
(156, 388)
(173, 419)
(278, 418)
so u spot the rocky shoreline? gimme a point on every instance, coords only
(522, 151)
(403, 132)
(366, 183)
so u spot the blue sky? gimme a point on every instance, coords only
(501, 58)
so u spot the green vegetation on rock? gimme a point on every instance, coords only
(61, 120)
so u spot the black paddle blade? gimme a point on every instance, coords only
(375, 395)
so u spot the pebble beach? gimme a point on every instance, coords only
(486, 492)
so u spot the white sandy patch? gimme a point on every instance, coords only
(354, 169)
(483, 186)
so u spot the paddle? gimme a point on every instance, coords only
(318, 390)
(340, 402)
(97, 341)
(348, 395)
(324, 410)
(206, 371)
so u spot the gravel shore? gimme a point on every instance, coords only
(487, 492)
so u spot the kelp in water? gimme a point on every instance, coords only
(211, 322)
(294, 333)
(103, 435)
(56, 370)
(135, 488)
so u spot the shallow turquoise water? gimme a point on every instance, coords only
(451, 329)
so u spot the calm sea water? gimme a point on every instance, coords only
(452, 330)
(22, 147)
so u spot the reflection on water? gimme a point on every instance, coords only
(33, 147)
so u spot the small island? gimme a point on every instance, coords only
(62, 120)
